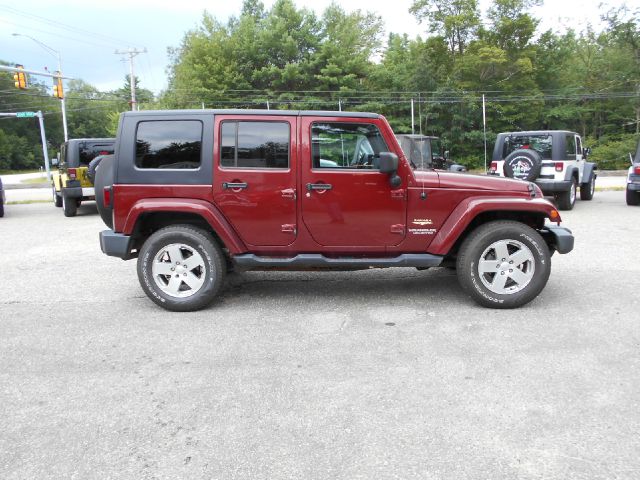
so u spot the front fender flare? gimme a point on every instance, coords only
(589, 170)
(208, 212)
(471, 207)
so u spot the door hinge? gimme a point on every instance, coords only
(289, 228)
(398, 228)
(399, 193)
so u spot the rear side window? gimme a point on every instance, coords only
(254, 144)
(571, 145)
(169, 144)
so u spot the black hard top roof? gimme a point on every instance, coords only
(296, 113)
(107, 140)
(539, 132)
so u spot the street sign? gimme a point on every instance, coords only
(25, 114)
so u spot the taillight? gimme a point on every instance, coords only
(72, 173)
(493, 167)
(106, 197)
(636, 170)
(559, 166)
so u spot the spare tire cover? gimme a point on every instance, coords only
(91, 171)
(104, 178)
(523, 164)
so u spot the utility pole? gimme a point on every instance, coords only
(132, 52)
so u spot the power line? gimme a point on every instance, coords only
(62, 26)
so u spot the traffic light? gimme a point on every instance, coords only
(57, 87)
(20, 78)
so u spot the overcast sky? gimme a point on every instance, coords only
(87, 33)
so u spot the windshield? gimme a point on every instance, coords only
(541, 143)
(419, 151)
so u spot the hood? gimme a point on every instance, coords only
(482, 182)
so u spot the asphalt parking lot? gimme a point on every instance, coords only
(375, 374)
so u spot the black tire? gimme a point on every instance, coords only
(1, 209)
(93, 165)
(481, 248)
(156, 251)
(588, 189)
(69, 206)
(566, 200)
(57, 198)
(633, 197)
(523, 164)
(104, 178)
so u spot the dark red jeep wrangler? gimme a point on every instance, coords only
(194, 194)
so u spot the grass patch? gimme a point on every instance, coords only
(26, 202)
(15, 172)
(35, 180)
(611, 189)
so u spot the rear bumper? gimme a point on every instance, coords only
(116, 244)
(559, 238)
(549, 187)
(78, 192)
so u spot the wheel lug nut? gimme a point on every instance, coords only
(177, 263)
(172, 269)
(501, 273)
(510, 271)
(184, 274)
(511, 262)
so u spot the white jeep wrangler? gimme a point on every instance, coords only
(554, 159)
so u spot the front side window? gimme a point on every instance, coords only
(346, 145)
(254, 144)
(169, 144)
(540, 143)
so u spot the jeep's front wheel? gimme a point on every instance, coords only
(503, 264)
(181, 268)
(588, 189)
(57, 198)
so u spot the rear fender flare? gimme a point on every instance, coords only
(572, 172)
(203, 209)
(470, 208)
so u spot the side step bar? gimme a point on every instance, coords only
(316, 260)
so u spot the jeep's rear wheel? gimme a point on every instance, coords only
(566, 200)
(181, 268)
(57, 198)
(503, 264)
(588, 189)
(633, 197)
(69, 206)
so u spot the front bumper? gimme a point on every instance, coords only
(559, 238)
(550, 187)
(116, 245)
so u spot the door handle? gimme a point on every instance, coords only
(319, 186)
(236, 185)
(288, 193)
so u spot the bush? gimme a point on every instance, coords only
(612, 152)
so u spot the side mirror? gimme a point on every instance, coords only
(55, 160)
(388, 162)
(586, 151)
(389, 165)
